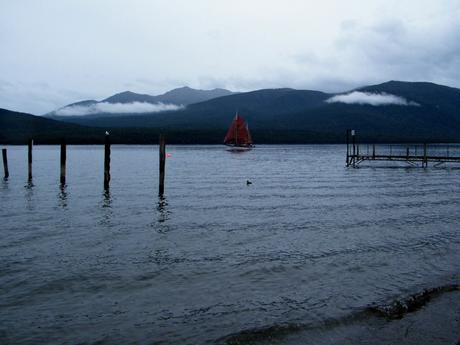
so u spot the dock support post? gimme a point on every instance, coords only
(63, 161)
(425, 160)
(407, 152)
(5, 163)
(353, 138)
(348, 148)
(162, 165)
(107, 162)
(373, 151)
(30, 144)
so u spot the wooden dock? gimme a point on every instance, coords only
(413, 154)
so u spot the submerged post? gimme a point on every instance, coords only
(63, 161)
(30, 144)
(5, 163)
(107, 161)
(162, 165)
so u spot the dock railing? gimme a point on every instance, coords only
(414, 154)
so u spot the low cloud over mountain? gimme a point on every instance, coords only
(369, 98)
(128, 102)
(117, 108)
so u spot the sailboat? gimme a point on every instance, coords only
(238, 137)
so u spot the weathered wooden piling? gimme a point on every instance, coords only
(107, 161)
(63, 161)
(348, 148)
(425, 160)
(373, 151)
(162, 165)
(30, 144)
(353, 139)
(5, 163)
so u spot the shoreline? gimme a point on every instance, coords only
(429, 317)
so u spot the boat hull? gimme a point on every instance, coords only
(239, 148)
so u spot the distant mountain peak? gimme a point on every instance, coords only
(186, 95)
(182, 88)
(180, 97)
(127, 92)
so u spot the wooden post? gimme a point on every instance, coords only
(5, 163)
(353, 139)
(373, 151)
(30, 144)
(425, 160)
(162, 165)
(348, 147)
(107, 161)
(63, 161)
(407, 152)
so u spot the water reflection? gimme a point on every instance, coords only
(107, 200)
(107, 211)
(62, 196)
(29, 185)
(161, 224)
(29, 194)
(5, 183)
(162, 209)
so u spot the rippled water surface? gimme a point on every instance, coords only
(307, 241)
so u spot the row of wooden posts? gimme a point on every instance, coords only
(107, 152)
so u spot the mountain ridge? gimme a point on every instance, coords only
(181, 96)
(437, 116)
(420, 112)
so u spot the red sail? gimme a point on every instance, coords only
(238, 133)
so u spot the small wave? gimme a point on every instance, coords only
(259, 334)
(395, 310)
(399, 308)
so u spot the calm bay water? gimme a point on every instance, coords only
(307, 241)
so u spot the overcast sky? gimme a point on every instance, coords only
(54, 52)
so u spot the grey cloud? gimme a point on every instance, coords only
(171, 44)
(117, 108)
(392, 49)
(368, 98)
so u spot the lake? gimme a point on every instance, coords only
(217, 260)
